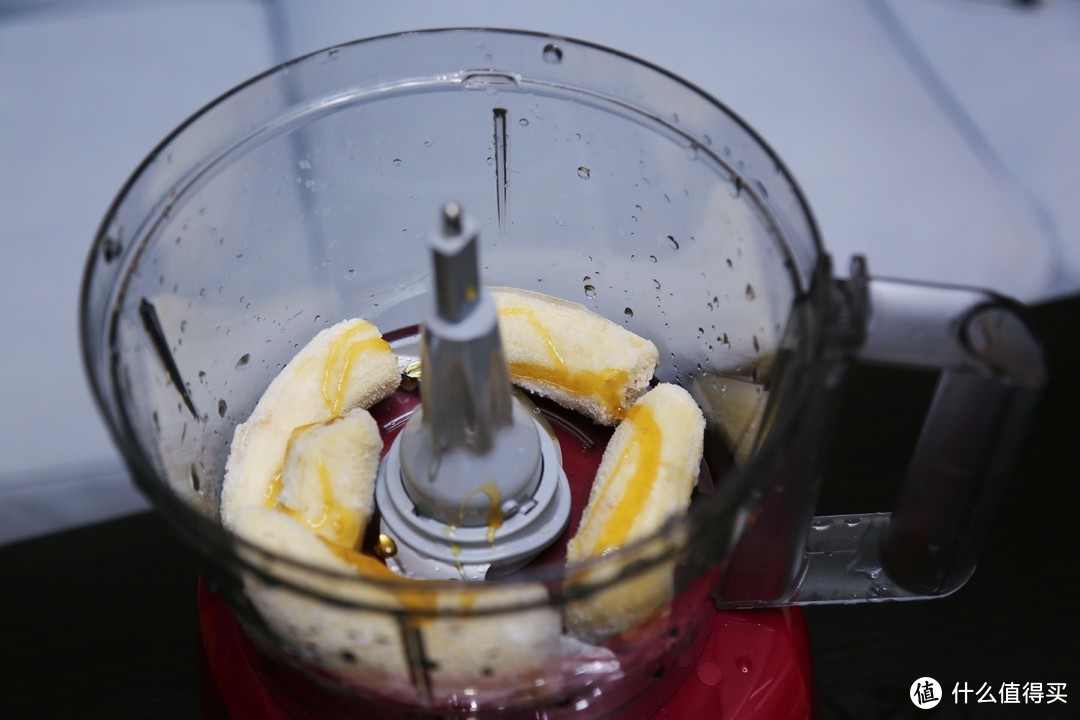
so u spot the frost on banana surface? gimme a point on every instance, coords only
(646, 476)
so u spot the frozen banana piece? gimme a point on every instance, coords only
(495, 651)
(568, 353)
(345, 366)
(646, 476)
(328, 479)
(362, 643)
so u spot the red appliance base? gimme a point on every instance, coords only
(756, 664)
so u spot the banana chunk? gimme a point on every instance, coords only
(579, 359)
(345, 366)
(328, 479)
(403, 627)
(646, 476)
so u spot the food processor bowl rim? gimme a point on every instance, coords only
(121, 429)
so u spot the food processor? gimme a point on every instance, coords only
(404, 180)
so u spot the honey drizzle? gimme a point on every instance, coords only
(495, 511)
(607, 384)
(644, 448)
(270, 498)
(340, 360)
(414, 595)
(342, 521)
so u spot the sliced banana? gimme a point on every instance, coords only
(416, 628)
(572, 355)
(345, 366)
(328, 479)
(646, 476)
(300, 484)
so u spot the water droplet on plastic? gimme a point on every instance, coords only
(737, 187)
(427, 143)
(490, 160)
(761, 188)
(743, 664)
(397, 162)
(757, 346)
(552, 54)
(628, 312)
(590, 291)
(750, 294)
(350, 274)
(523, 122)
(304, 165)
(730, 264)
(111, 248)
(674, 243)
(652, 258)
(310, 184)
(656, 283)
(852, 521)
(584, 172)
(221, 408)
(242, 361)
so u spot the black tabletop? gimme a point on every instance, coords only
(102, 620)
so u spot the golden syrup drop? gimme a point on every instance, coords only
(386, 547)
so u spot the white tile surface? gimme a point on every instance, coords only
(887, 157)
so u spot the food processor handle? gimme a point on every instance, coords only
(992, 374)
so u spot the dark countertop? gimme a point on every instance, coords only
(103, 619)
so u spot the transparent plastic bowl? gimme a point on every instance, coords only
(303, 198)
